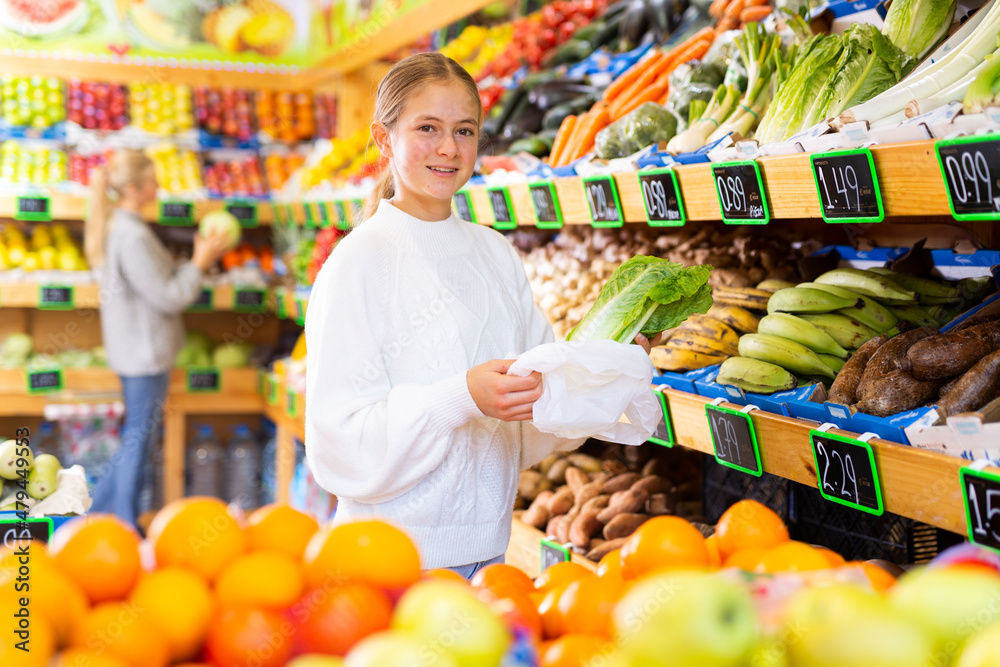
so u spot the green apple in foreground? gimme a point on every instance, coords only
(43, 478)
(13, 459)
(447, 618)
(316, 660)
(686, 619)
(394, 649)
(982, 649)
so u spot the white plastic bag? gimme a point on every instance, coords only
(588, 386)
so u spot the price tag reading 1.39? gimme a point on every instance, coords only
(971, 170)
(734, 438)
(846, 472)
(981, 491)
(604, 202)
(741, 193)
(848, 186)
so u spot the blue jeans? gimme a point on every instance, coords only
(117, 490)
(468, 571)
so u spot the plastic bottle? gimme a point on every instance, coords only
(243, 474)
(46, 441)
(269, 476)
(205, 462)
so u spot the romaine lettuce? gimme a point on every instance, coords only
(916, 26)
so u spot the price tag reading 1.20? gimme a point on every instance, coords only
(553, 553)
(848, 186)
(971, 170)
(981, 491)
(604, 201)
(741, 193)
(662, 197)
(846, 473)
(548, 212)
(463, 206)
(734, 439)
(503, 210)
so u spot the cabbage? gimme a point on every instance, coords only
(17, 346)
(197, 340)
(231, 355)
(221, 222)
(75, 358)
(192, 356)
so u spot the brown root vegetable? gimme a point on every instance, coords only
(624, 502)
(652, 484)
(953, 353)
(620, 482)
(598, 552)
(562, 501)
(557, 472)
(531, 484)
(979, 386)
(844, 388)
(890, 356)
(654, 466)
(576, 478)
(537, 515)
(583, 528)
(614, 466)
(623, 525)
(552, 527)
(660, 504)
(896, 392)
(975, 321)
(596, 504)
(586, 492)
(585, 462)
(545, 464)
(948, 386)
(562, 529)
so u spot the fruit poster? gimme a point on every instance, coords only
(223, 32)
(342, 24)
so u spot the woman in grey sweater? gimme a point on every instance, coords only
(143, 296)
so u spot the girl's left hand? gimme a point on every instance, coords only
(649, 344)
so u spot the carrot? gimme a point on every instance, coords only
(734, 9)
(663, 100)
(726, 24)
(630, 75)
(693, 51)
(562, 138)
(755, 13)
(716, 9)
(586, 132)
(756, 3)
(651, 94)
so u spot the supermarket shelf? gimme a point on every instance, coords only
(67, 207)
(26, 295)
(287, 411)
(917, 484)
(524, 551)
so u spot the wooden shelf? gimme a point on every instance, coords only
(525, 552)
(290, 425)
(87, 295)
(69, 208)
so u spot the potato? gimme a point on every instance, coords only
(562, 501)
(585, 462)
(620, 482)
(596, 503)
(576, 478)
(586, 492)
(623, 525)
(583, 528)
(659, 504)
(599, 551)
(537, 515)
(557, 473)
(624, 502)
(531, 484)
(652, 484)
(614, 466)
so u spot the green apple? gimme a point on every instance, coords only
(982, 649)
(394, 649)
(316, 660)
(950, 604)
(14, 458)
(43, 478)
(846, 626)
(686, 619)
(449, 619)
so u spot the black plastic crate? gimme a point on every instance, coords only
(722, 486)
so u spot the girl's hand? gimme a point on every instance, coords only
(649, 344)
(505, 397)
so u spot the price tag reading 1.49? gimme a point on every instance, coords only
(741, 193)
(845, 472)
(662, 197)
(548, 213)
(503, 210)
(604, 202)
(981, 491)
(848, 186)
(734, 439)
(971, 170)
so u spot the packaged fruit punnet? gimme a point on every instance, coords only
(98, 106)
(177, 170)
(286, 116)
(234, 174)
(224, 111)
(32, 162)
(161, 108)
(32, 101)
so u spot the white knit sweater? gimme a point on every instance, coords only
(400, 311)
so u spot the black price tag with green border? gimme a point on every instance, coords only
(14, 528)
(970, 167)
(548, 212)
(45, 381)
(981, 491)
(553, 553)
(291, 403)
(846, 472)
(34, 208)
(664, 433)
(272, 390)
(243, 210)
(741, 193)
(249, 299)
(604, 201)
(734, 439)
(503, 209)
(205, 300)
(311, 217)
(463, 206)
(205, 380)
(343, 221)
(280, 307)
(300, 317)
(290, 215)
(847, 185)
(177, 213)
(56, 297)
(662, 197)
(323, 209)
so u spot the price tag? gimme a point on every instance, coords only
(205, 300)
(280, 309)
(324, 215)
(503, 209)
(662, 197)
(604, 202)
(204, 380)
(971, 170)
(846, 472)
(553, 553)
(548, 212)
(302, 304)
(463, 206)
(37, 208)
(244, 211)
(981, 491)
(664, 434)
(311, 217)
(45, 382)
(291, 403)
(734, 439)
(177, 213)
(55, 297)
(847, 186)
(289, 215)
(272, 390)
(248, 299)
(343, 222)
(36, 529)
(741, 193)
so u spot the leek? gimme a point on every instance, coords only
(983, 90)
(757, 49)
(719, 109)
(955, 92)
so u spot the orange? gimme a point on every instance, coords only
(586, 606)
(881, 580)
(553, 624)
(660, 543)
(265, 579)
(560, 574)
(573, 650)
(342, 618)
(793, 557)
(515, 609)
(241, 636)
(76, 657)
(180, 603)
(100, 553)
(501, 577)
(41, 637)
(748, 523)
(747, 559)
(610, 566)
(125, 631)
(198, 533)
(831, 556)
(280, 528)
(368, 551)
(443, 573)
(59, 599)
(714, 557)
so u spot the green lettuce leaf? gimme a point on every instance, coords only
(647, 295)
(916, 26)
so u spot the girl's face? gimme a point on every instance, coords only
(433, 147)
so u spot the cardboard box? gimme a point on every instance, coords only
(971, 436)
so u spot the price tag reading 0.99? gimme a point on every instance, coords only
(971, 170)
(848, 186)
(741, 193)
(846, 472)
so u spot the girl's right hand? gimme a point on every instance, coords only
(505, 397)
(208, 250)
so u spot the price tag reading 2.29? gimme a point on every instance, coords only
(604, 202)
(981, 491)
(848, 186)
(741, 193)
(734, 439)
(971, 170)
(846, 472)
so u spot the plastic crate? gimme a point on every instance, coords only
(722, 486)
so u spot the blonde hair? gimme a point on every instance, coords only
(126, 167)
(406, 78)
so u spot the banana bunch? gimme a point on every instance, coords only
(704, 340)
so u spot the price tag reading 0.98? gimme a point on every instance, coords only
(846, 472)
(981, 491)
(741, 193)
(848, 186)
(734, 439)
(971, 170)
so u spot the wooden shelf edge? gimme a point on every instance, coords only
(524, 550)
(87, 296)
(70, 208)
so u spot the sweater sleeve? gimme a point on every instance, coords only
(168, 287)
(367, 439)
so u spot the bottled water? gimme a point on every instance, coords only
(243, 474)
(205, 461)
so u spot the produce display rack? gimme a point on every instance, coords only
(69, 207)
(87, 295)
(525, 550)
(286, 410)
